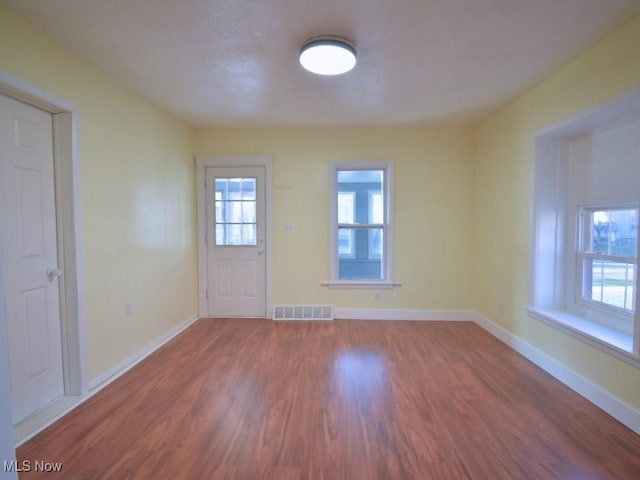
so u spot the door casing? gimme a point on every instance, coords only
(68, 223)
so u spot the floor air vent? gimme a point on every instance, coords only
(303, 312)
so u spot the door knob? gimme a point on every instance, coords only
(53, 273)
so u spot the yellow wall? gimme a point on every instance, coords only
(462, 201)
(433, 211)
(138, 197)
(503, 193)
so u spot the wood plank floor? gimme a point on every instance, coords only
(256, 399)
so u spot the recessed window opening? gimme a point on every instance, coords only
(586, 209)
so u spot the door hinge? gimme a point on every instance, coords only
(206, 293)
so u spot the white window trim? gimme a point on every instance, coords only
(547, 296)
(388, 281)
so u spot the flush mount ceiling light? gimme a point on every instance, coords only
(328, 55)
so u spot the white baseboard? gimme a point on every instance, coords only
(127, 364)
(403, 314)
(617, 408)
(47, 418)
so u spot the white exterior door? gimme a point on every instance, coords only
(236, 260)
(30, 257)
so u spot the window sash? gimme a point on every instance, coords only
(585, 270)
(385, 256)
(616, 292)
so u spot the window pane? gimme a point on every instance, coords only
(375, 242)
(235, 188)
(360, 176)
(345, 242)
(248, 188)
(221, 188)
(614, 232)
(611, 283)
(248, 212)
(219, 208)
(249, 234)
(233, 212)
(359, 264)
(376, 208)
(220, 235)
(234, 234)
(346, 207)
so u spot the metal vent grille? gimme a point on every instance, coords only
(303, 312)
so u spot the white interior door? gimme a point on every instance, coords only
(236, 260)
(30, 257)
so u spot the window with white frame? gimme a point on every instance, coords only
(608, 256)
(360, 223)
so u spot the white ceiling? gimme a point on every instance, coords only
(235, 62)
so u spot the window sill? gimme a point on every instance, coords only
(361, 284)
(605, 339)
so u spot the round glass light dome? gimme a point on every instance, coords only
(328, 55)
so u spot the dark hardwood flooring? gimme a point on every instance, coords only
(358, 400)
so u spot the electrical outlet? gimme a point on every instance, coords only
(288, 228)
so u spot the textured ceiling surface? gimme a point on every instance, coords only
(235, 62)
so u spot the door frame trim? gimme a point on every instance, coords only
(69, 225)
(233, 161)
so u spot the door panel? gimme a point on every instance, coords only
(34, 308)
(235, 242)
(250, 278)
(32, 303)
(225, 278)
(30, 203)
